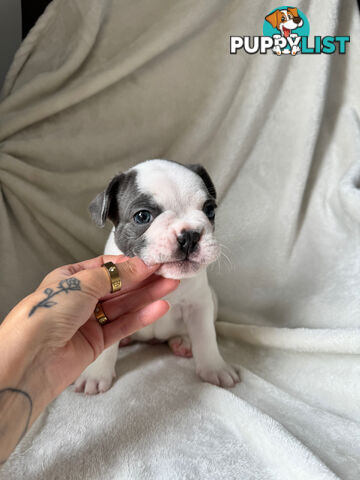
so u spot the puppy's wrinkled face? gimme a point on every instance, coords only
(163, 212)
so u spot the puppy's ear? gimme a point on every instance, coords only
(273, 18)
(293, 11)
(104, 204)
(200, 170)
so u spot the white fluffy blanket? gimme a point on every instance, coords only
(100, 85)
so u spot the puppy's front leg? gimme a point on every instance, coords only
(98, 376)
(210, 366)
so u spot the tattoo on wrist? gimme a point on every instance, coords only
(15, 409)
(66, 286)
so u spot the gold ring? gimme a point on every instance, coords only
(100, 314)
(114, 276)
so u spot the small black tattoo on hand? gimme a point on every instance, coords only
(64, 286)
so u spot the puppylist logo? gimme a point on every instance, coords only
(286, 31)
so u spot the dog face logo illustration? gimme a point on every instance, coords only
(286, 25)
(285, 20)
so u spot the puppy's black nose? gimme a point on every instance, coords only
(297, 20)
(188, 240)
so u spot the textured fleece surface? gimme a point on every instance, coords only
(99, 86)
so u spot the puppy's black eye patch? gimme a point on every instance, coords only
(209, 209)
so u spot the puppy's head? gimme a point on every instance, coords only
(285, 20)
(163, 212)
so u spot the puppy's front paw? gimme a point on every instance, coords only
(91, 382)
(221, 374)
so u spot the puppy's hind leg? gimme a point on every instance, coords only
(124, 342)
(181, 346)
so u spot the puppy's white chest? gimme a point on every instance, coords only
(170, 325)
(181, 302)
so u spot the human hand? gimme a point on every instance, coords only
(66, 336)
(52, 335)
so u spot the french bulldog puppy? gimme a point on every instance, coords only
(164, 212)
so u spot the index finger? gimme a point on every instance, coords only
(74, 268)
(91, 263)
(132, 272)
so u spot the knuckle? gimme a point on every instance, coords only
(90, 282)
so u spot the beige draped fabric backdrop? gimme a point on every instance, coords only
(98, 86)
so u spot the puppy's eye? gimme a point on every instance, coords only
(283, 19)
(142, 217)
(209, 210)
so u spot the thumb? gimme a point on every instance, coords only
(96, 281)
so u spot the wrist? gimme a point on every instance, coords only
(21, 358)
(19, 345)
(24, 392)
(21, 403)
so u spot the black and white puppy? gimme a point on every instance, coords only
(164, 212)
